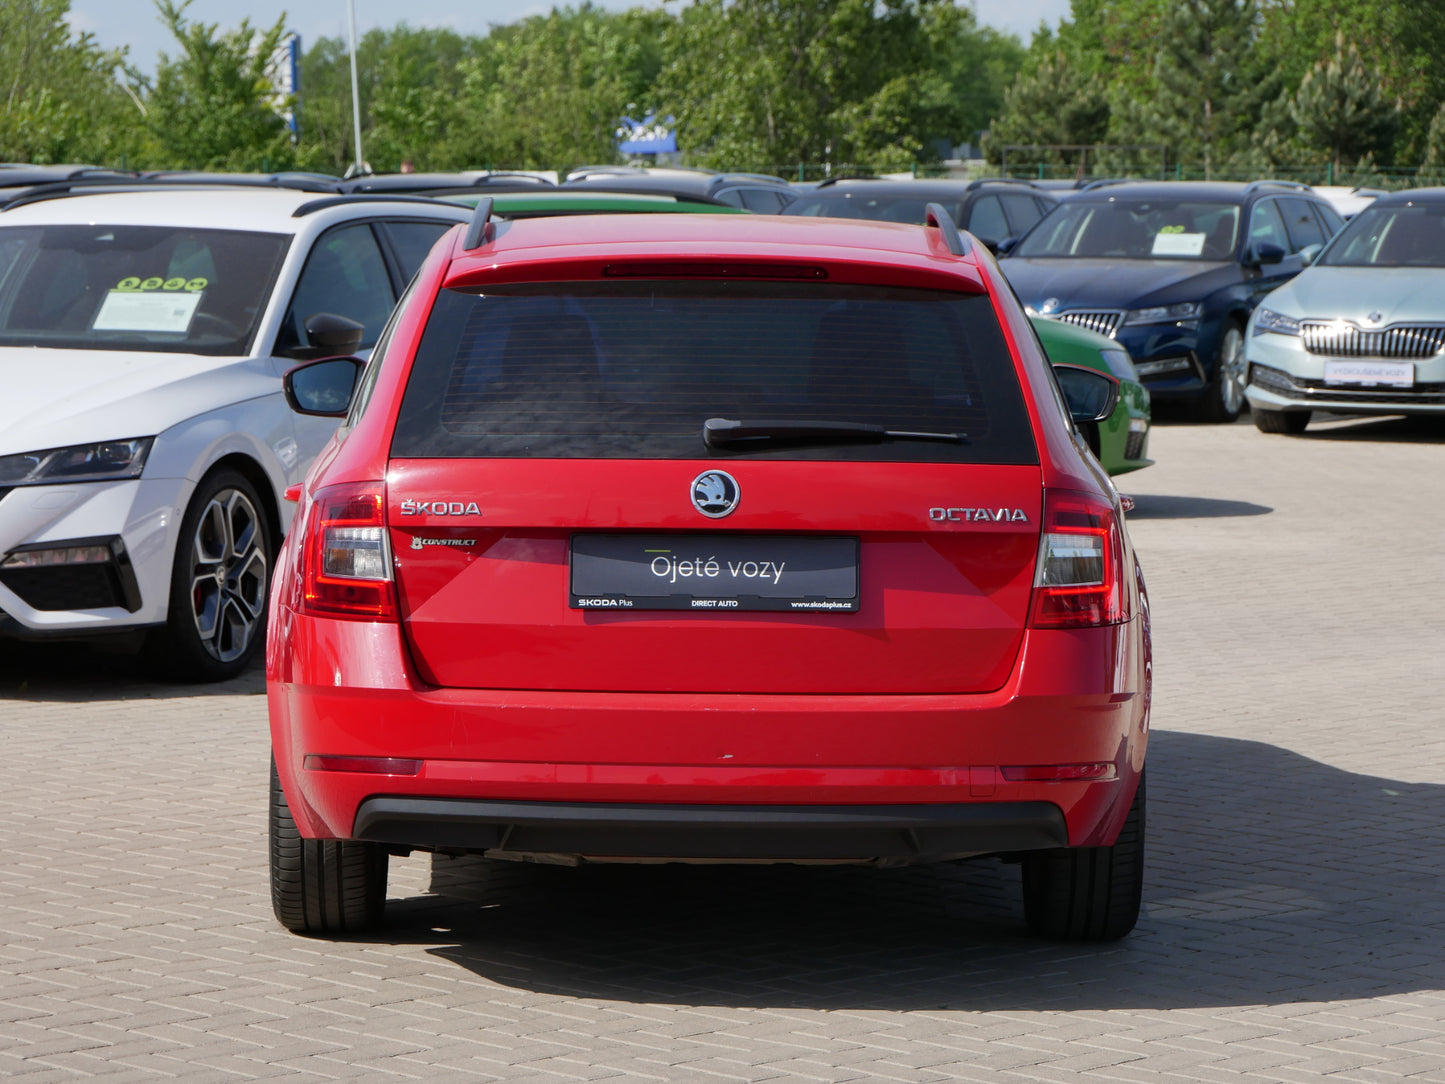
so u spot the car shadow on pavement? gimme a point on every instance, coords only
(76, 673)
(1272, 878)
(1157, 506)
(1388, 430)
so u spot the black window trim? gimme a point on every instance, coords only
(394, 268)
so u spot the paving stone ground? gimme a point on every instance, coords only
(1294, 920)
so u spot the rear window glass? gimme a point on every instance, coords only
(632, 370)
(135, 287)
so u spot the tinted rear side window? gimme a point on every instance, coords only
(634, 369)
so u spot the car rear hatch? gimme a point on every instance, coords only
(562, 519)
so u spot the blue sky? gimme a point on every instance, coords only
(134, 23)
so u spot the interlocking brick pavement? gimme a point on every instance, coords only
(1294, 915)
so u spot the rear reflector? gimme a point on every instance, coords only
(1058, 773)
(375, 765)
(1079, 580)
(347, 558)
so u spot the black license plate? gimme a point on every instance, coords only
(714, 572)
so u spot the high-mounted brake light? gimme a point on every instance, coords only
(347, 559)
(1079, 580)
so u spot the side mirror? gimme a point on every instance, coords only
(1266, 252)
(1004, 247)
(1091, 396)
(332, 335)
(1310, 253)
(322, 388)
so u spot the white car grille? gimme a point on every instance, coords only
(1341, 340)
(1104, 322)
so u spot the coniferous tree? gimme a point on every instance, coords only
(1205, 95)
(1434, 160)
(1053, 103)
(1341, 109)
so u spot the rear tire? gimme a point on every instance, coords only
(1088, 893)
(326, 886)
(1292, 422)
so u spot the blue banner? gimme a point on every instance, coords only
(650, 135)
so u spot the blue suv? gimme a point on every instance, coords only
(1172, 270)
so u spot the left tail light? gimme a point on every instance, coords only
(346, 563)
(1079, 580)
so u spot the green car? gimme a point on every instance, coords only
(1122, 442)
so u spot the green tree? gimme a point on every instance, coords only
(212, 106)
(1433, 163)
(323, 109)
(1340, 108)
(1402, 39)
(767, 84)
(547, 92)
(1054, 102)
(60, 96)
(976, 63)
(1113, 39)
(410, 83)
(1206, 95)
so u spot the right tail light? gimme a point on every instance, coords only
(346, 556)
(1079, 580)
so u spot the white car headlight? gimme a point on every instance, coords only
(1280, 324)
(1163, 314)
(105, 461)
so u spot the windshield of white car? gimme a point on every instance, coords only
(1394, 235)
(153, 288)
(1120, 229)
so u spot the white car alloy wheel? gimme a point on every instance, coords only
(219, 582)
(229, 575)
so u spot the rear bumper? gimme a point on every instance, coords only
(717, 832)
(729, 775)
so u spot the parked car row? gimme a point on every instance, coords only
(1222, 294)
(577, 454)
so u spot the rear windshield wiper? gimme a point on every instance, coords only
(724, 432)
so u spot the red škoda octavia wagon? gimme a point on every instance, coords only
(690, 538)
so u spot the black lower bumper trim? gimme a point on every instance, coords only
(767, 832)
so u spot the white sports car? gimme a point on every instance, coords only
(145, 444)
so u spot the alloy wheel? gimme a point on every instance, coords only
(1232, 372)
(228, 575)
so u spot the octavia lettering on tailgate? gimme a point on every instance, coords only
(978, 515)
